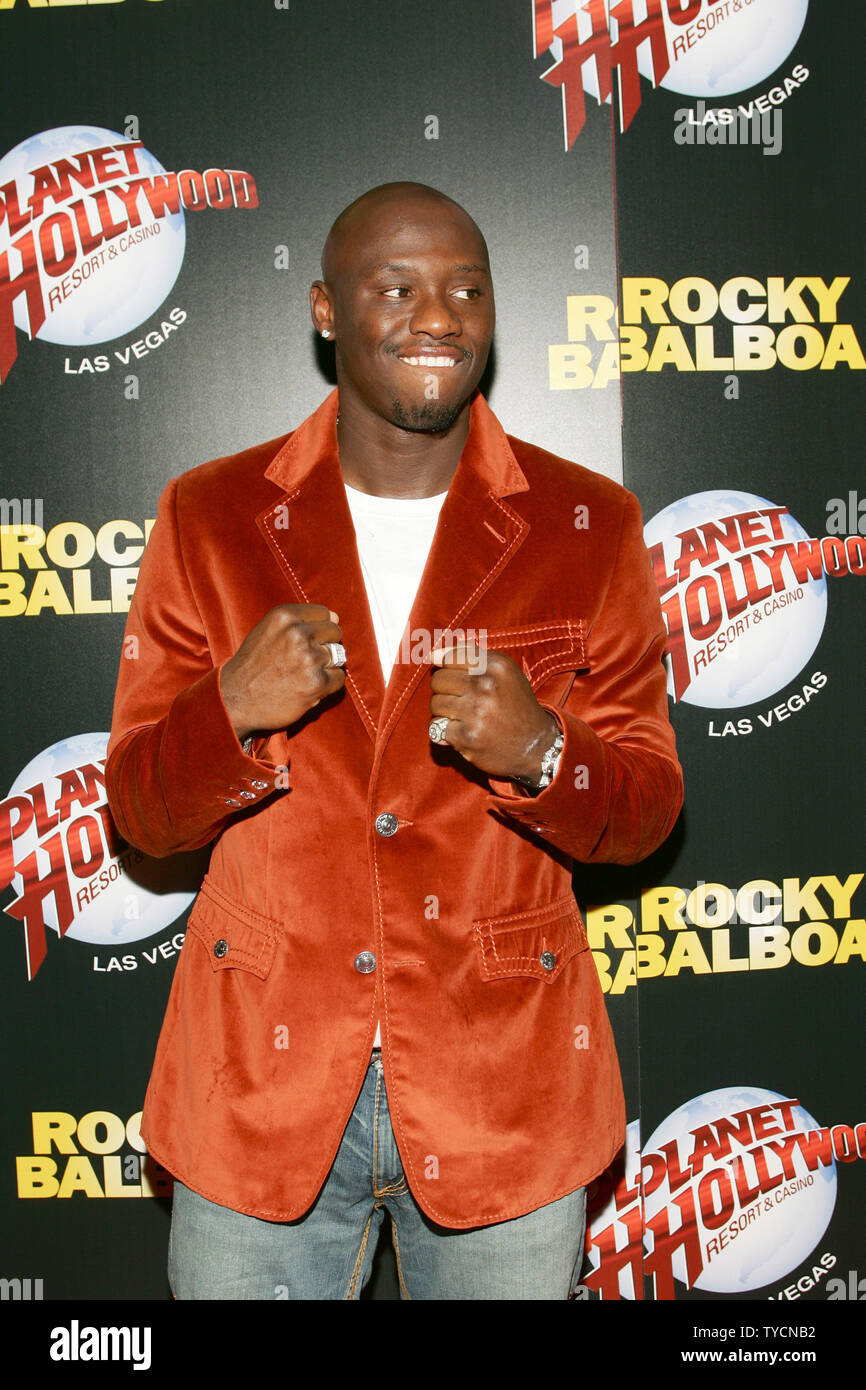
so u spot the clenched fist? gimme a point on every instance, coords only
(494, 719)
(281, 669)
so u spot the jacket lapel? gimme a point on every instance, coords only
(311, 534)
(477, 536)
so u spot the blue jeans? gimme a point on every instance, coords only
(217, 1253)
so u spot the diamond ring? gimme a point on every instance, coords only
(338, 653)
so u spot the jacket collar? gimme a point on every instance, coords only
(314, 443)
(310, 531)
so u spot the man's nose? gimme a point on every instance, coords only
(436, 315)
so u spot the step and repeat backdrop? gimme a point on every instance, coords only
(668, 190)
(737, 339)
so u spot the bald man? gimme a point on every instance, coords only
(386, 670)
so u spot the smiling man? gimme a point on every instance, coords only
(407, 275)
(403, 671)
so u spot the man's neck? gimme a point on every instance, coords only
(385, 461)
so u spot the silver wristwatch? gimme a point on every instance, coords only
(549, 765)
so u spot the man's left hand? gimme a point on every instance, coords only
(494, 719)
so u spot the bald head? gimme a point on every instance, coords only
(391, 207)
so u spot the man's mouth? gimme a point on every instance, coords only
(430, 361)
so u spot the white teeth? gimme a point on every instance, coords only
(429, 361)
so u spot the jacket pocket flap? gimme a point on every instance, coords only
(537, 943)
(543, 648)
(236, 937)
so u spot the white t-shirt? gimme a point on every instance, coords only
(394, 536)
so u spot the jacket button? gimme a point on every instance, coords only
(220, 948)
(387, 823)
(365, 963)
(548, 960)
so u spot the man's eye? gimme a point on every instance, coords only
(469, 292)
(397, 291)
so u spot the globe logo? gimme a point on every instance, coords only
(705, 48)
(59, 826)
(727, 1177)
(738, 46)
(743, 593)
(790, 1219)
(721, 48)
(102, 284)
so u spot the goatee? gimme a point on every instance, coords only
(430, 418)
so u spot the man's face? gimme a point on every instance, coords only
(412, 314)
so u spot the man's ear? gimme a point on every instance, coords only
(320, 308)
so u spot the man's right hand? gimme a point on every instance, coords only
(280, 669)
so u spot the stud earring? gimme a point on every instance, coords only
(326, 332)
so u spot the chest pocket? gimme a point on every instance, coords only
(550, 654)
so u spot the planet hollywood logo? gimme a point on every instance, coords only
(92, 235)
(729, 1194)
(743, 591)
(703, 48)
(71, 871)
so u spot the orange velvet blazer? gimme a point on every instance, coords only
(269, 1025)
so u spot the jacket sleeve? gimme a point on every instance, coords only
(175, 771)
(618, 789)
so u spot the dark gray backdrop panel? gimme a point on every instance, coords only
(317, 103)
